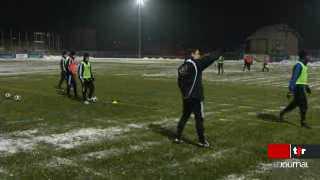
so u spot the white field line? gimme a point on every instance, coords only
(226, 120)
(245, 107)
(226, 110)
(121, 74)
(265, 82)
(157, 75)
(254, 79)
(225, 104)
(272, 110)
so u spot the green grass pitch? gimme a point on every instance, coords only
(49, 136)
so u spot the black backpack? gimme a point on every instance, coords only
(186, 75)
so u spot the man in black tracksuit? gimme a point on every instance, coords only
(63, 73)
(190, 83)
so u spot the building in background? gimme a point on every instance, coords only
(274, 40)
(23, 41)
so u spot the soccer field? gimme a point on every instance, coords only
(49, 136)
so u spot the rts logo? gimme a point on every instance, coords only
(299, 151)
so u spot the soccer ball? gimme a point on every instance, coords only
(17, 98)
(94, 99)
(114, 102)
(7, 95)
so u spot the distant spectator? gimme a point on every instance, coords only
(266, 63)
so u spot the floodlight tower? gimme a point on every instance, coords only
(140, 4)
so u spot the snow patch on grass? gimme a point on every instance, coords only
(26, 133)
(10, 146)
(58, 162)
(103, 154)
(68, 140)
(76, 138)
(3, 171)
(109, 153)
(27, 140)
(235, 177)
(261, 168)
(210, 156)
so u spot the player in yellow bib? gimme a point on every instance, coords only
(298, 87)
(87, 79)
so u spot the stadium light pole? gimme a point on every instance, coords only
(140, 5)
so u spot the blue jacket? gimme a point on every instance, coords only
(297, 69)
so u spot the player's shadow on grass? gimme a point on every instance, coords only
(170, 134)
(272, 118)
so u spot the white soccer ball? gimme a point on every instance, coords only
(94, 99)
(17, 98)
(7, 95)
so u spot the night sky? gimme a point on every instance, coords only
(201, 23)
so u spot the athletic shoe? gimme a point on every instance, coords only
(204, 144)
(86, 102)
(178, 141)
(304, 125)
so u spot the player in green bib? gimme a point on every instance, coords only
(220, 62)
(298, 87)
(87, 79)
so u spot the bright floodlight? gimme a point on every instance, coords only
(140, 2)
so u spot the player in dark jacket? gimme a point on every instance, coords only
(63, 69)
(190, 84)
